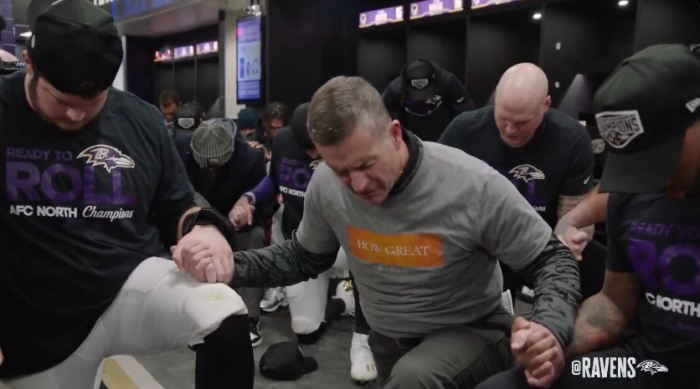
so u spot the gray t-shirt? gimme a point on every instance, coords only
(426, 258)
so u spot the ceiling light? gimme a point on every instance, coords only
(537, 16)
(623, 3)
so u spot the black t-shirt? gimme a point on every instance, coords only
(658, 238)
(558, 161)
(429, 119)
(77, 216)
(291, 169)
(224, 186)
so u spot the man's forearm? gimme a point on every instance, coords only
(283, 264)
(555, 275)
(599, 325)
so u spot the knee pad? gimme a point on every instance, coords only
(208, 305)
(312, 337)
(232, 331)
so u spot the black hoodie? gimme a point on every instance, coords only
(429, 119)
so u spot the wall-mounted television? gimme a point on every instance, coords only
(183, 52)
(476, 4)
(427, 8)
(249, 51)
(207, 48)
(163, 55)
(381, 16)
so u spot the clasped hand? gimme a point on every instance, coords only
(241, 214)
(537, 351)
(205, 254)
(573, 238)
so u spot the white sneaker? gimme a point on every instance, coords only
(273, 300)
(344, 292)
(363, 370)
(255, 334)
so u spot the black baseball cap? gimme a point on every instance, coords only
(188, 116)
(643, 110)
(419, 80)
(285, 362)
(75, 45)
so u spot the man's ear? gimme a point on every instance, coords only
(28, 66)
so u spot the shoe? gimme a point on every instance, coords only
(273, 300)
(363, 370)
(344, 292)
(255, 334)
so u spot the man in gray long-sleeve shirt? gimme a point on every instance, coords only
(423, 225)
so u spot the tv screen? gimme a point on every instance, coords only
(487, 3)
(249, 53)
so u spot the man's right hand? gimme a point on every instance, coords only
(241, 214)
(573, 238)
(537, 351)
(260, 147)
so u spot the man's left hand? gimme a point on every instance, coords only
(537, 351)
(205, 254)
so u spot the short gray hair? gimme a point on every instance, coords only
(340, 106)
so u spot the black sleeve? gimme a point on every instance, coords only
(617, 260)
(392, 100)
(555, 275)
(283, 264)
(579, 174)
(174, 194)
(458, 97)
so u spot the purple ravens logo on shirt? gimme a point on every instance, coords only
(106, 156)
(527, 173)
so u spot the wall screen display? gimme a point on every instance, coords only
(425, 8)
(381, 16)
(163, 55)
(249, 51)
(184, 52)
(487, 3)
(207, 48)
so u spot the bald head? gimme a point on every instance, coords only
(522, 99)
(522, 87)
(7, 57)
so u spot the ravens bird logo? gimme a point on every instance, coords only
(314, 164)
(652, 367)
(106, 156)
(527, 173)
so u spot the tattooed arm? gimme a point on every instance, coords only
(603, 319)
(586, 212)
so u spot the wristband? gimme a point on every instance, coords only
(209, 217)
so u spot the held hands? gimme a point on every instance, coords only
(537, 351)
(205, 254)
(573, 238)
(241, 214)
